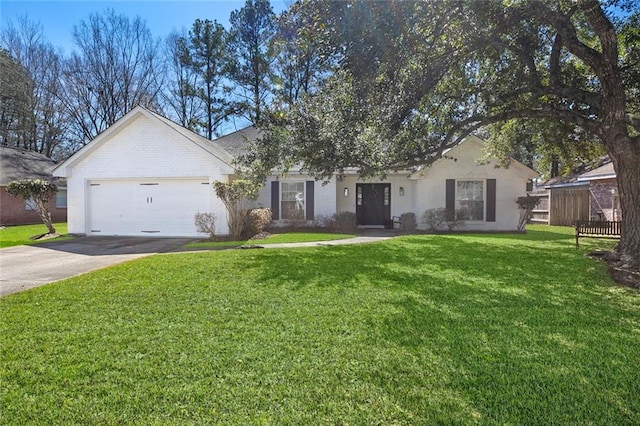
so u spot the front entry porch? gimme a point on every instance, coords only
(373, 203)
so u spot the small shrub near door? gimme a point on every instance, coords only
(324, 221)
(346, 221)
(408, 222)
(434, 219)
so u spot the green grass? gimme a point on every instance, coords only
(434, 329)
(19, 235)
(287, 237)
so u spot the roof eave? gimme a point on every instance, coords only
(597, 177)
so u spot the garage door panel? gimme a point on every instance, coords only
(109, 211)
(160, 208)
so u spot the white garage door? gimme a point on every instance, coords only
(163, 207)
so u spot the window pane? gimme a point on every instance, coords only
(470, 200)
(292, 200)
(61, 199)
(30, 204)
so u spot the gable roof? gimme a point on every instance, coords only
(18, 163)
(211, 147)
(582, 175)
(236, 143)
(603, 172)
(478, 143)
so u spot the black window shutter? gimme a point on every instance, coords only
(491, 200)
(450, 199)
(309, 199)
(275, 200)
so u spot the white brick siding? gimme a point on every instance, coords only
(145, 147)
(510, 184)
(142, 148)
(324, 196)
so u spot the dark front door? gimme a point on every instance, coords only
(373, 203)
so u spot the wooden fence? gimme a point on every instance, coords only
(541, 213)
(561, 206)
(567, 205)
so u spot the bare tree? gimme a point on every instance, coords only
(16, 87)
(179, 98)
(42, 125)
(116, 67)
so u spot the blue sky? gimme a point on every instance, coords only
(162, 16)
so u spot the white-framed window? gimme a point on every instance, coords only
(30, 204)
(61, 199)
(292, 200)
(470, 199)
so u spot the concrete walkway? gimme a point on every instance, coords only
(25, 267)
(368, 236)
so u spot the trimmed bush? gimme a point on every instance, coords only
(526, 206)
(324, 221)
(346, 221)
(257, 221)
(434, 219)
(39, 192)
(408, 222)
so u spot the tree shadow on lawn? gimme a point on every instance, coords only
(515, 331)
(428, 263)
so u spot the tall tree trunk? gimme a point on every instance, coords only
(626, 160)
(555, 167)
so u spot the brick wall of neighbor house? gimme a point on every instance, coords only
(604, 202)
(143, 149)
(13, 211)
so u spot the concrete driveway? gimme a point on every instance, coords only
(25, 267)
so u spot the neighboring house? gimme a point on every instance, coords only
(146, 175)
(17, 164)
(584, 195)
(604, 202)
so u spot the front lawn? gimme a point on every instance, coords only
(20, 234)
(430, 329)
(286, 237)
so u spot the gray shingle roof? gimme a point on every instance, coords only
(21, 164)
(581, 176)
(236, 143)
(601, 172)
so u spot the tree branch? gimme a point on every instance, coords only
(565, 28)
(470, 124)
